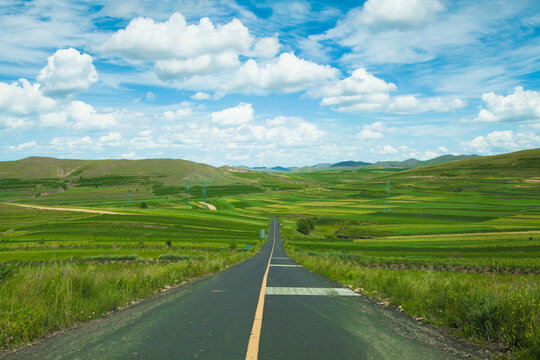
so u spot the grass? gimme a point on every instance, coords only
(39, 299)
(488, 308)
(58, 268)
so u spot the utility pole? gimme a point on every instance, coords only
(186, 183)
(204, 189)
(128, 198)
(387, 202)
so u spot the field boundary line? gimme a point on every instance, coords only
(253, 344)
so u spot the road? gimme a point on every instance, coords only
(266, 307)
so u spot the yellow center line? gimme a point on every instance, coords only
(253, 345)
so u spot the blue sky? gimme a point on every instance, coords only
(268, 83)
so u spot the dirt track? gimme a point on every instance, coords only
(68, 209)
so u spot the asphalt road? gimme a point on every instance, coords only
(303, 316)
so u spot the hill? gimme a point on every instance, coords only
(350, 163)
(167, 170)
(525, 163)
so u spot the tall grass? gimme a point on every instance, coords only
(36, 300)
(487, 307)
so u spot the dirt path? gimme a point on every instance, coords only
(68, 209)
(209, 206)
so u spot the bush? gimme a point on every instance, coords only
(177, 257)
(143, 205)
(168, 243)
(232, 245)
(304, 226)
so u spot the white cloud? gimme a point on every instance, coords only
(412, 104)
(267, 47)
(67, 72)
(359, 92)
(200, 65)
(372, 131)
(150, 96)
(130, 156)
(85, 117)
(67, 143)
(144, 39)
(286, 74)
(200, 96)
(519, 106)
(23, 98)
(23, 146)
(287, 131)
(112, 139)
(177, 114)
(502, 141)
(388, 149)
(241, 114)
(364, 92)
(399, 13)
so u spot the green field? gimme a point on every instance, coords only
(458, 246)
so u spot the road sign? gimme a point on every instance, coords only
(248, 247)
(262, 234)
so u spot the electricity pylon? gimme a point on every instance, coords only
(387, 202)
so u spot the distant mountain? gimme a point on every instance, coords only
(413, 163)
(350, 163)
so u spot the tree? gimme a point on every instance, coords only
(302, 225)
(143, 205)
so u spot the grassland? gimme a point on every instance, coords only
(459, 247)
(62, 267)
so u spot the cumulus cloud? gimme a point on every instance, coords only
(267, 47)
(200, 96)
(521, 105)
(67, 72)
(241, 114)
(364, 92)
(288, 131)
(177, 114)
(144, 39)
(23, 146)
(286, 74)
(502, 141)
(412, 104)
(200, 65)
(372, 131)
(80, 115)
(359, 92)
(22, 98)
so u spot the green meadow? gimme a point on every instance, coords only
(455, 244)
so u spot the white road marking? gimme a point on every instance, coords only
(280, 258)
(285, 265)
(310, 291)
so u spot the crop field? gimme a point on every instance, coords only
(63, 267)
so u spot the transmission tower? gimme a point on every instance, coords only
(387, 202)
(204, 189)
(186, 199)
(128, 198)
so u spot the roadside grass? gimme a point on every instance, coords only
(488, 308)
(58, 268)
(39, 299)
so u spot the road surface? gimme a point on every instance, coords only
(297, 315)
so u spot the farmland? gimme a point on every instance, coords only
(457, 244)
